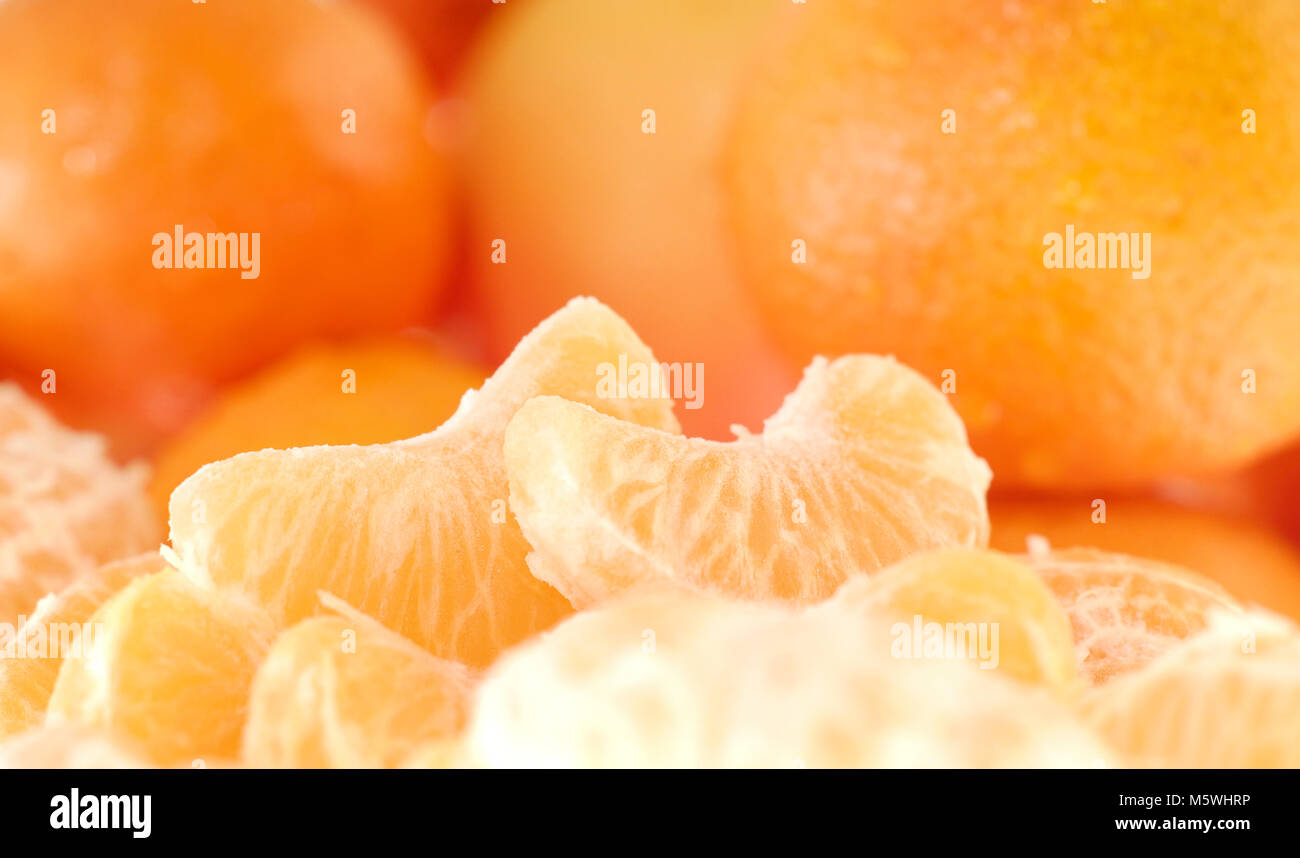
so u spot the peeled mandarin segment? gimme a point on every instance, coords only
(1226, 698)
(345, 692)
(397, 387)
(864, 464)
(27, 679)
(993, 608)
(65, 508)
(1125, 611)
(1245, 556)
(71, 746)
(683, 679)
(437, 754)
(170, 668)
(416, 533)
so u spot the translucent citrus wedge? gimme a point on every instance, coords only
(436, 754)
(415, 533)
(27, 674)
(686, 679)
(71, 746)
(864, 464)
(345, 692)
(65, 508)
(1225, 698)
(170, 668)
(968, 604)
(1125, 611)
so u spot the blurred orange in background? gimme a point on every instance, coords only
(366, 392)
(441, 31)
(576, 190)
(122, 121)
(926, 153)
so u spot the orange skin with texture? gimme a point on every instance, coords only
(223, 118)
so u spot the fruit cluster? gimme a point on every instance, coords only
(820, 594)
(1044, 242)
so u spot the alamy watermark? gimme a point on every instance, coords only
(945, 641)
(1130, 251)
(629, 379)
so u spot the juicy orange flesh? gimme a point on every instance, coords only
(988, 607)
(416, 533)
(343, 691)
(170, 669)
(26, 683)
(1125, 611)
(864, 464)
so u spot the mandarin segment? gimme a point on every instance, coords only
(1226, 698)
(683, 679)
(170, 668)
(416, 533)
(863, 464)
(1244, 556)
(345, 692)
(26, 681)
(65, 507)
(71, 746)
(1004, 615)
(1125, 611)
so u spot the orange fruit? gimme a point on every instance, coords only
(971, 605)
(1125, 611)
(1226, 698)
(1066, 119)
(65, 507)
(864, 464)
(345, 692)
(684, 679)
(1265, 491)
(441, 31)
(43, 641)
(170, 669)
(70, 746)
(1247, 559)
(366, 392)
(224, 119)
(414, 533)
(560, 169)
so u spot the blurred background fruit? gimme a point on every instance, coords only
(930, 245)
(441, 31)
(364, 392)
(559, 168)
(223, 117)
(1267, 491)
